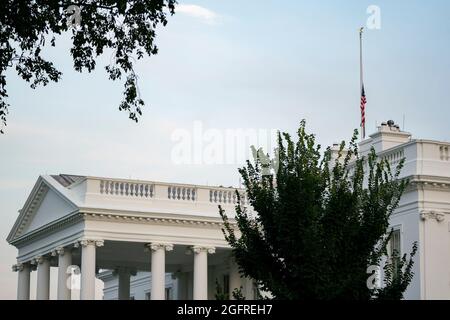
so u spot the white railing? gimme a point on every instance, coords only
(175, 192)
(129, 189)
(225, 196)
(394, 157)
(181, 193)
(444, 153)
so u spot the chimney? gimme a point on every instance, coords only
(335, 153)
(387, 136)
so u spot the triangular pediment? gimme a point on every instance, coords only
(43, 206)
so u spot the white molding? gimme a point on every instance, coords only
(145, 237)
(68, 241)
(44, 231)
(435, 182)
(160, 219)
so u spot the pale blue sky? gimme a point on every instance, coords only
(237, 64)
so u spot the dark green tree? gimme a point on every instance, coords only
(318, 223)
(220, 293)
(125, 26)
(237, 294)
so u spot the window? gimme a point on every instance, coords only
(395, 249)
(255, 291)
(168, 293)
(395, 243)
(226, 284)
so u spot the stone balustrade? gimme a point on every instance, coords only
(174, 192)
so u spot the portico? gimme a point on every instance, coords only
(94, 224)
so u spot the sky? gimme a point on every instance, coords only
(225, 66)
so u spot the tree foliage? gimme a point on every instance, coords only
(318, 222)
(125, 26)
(220, 294)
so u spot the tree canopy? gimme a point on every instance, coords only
(125, 26)
(319, 222)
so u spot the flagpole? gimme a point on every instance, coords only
(361, 81)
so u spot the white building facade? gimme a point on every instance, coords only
(128, 227)
(423, 214)
(140, 286)
(150, 240)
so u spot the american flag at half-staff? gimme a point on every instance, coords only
(363, 111)
(363, 93)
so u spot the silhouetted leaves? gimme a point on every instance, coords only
(125, 26)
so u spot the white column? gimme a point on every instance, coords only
(23, 280)
(158, 265)
(43, 278)
(235, 278)
(124, 275)
(64, 262)
(88, 268)
(201, 271)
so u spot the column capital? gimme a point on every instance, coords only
(17, 267)
(156, 245)
(429, 214)
(88, 242)
(38, 260)
(58, 251)
(198, 249)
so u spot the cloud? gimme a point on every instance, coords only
(193, 10)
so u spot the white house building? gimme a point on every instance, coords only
(151, 240)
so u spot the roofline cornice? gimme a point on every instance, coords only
(120, 216)
(140, 217)
(436, 181)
